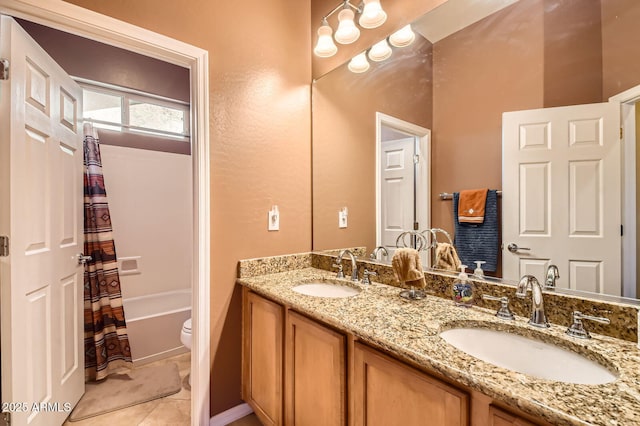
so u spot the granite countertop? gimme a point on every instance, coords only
(410, 330)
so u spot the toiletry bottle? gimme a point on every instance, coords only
(478, 272)
(463, 289)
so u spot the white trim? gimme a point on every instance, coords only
(423, 186)
(627, 101)
(628, 96)
(231, 415)
(76, 20)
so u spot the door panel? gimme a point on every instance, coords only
(564, 204)
(42, 291)
(397, 190)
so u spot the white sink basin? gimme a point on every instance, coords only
(528, 356)
(321, 289)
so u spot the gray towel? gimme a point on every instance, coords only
(478, 241)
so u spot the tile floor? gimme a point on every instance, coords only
(174, 410)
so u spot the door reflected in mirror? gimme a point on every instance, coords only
(403, 182)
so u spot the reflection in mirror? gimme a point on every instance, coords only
(403, 183)
(458, 81)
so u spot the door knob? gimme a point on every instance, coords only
(513, 248)
(82, 259)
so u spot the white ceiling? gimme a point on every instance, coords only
(454, 15)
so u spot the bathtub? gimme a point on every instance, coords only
(154, 323)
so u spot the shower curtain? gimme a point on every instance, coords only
(106, 344)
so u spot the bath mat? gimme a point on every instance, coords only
(123, 390)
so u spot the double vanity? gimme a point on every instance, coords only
(318, 349)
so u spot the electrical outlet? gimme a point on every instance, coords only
(274, 219)
(342, 217)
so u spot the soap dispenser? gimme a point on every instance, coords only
(463, 289)
(478, 272)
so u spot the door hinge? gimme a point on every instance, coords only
(4, 69)
(621, 133)
(4, 246)
(6, 416)
(622, 230)
(416, 159)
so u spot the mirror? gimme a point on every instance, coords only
(465, 69)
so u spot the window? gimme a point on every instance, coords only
(124, 110)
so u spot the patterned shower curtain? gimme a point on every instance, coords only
(106, 344)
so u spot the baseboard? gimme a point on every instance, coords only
(231, 415)
(137, 362)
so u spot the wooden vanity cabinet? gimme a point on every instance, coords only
(262, 339)
(315, 373)
(499, 417)
(295, 369)
(388, 392)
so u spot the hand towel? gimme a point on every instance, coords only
(446, 257)
(472, 205)
(407, 267)
(478, 241)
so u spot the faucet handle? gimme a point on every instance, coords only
(504, 312)
(366, 274)
(576, 329)
(339, 274)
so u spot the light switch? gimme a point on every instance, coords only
(342, 217)
(274, 219)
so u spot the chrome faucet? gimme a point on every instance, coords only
(529, 282)
(374, 253)
(552, 276)
(354, 264)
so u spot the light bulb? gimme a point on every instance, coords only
(372, 14)
(347, 31)
(380, 51)
(359, 63)
(325, 46)
(403, 37)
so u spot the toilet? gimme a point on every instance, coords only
(185, 335)
(185, 338)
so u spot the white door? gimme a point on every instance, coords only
(561, 195)
(41, 211)
(396, 190)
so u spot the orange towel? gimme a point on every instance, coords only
(471, 205)
(407, 267)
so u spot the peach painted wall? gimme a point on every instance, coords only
(479, 72)
(344, 135)
(572, 52)
(260, 70)
(621, 45)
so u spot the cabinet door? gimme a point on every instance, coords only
(262, 357)
(314, 374)
(500, 417)
(388, 392)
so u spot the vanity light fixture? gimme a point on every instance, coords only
(347, 31)
(359, 63)
(403, 37)
(371, 16)
(325, 47)
(380, 51)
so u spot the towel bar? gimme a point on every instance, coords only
(448, 196)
